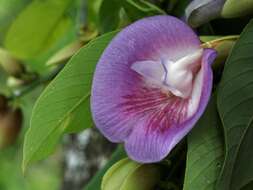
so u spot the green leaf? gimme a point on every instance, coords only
(172, 4)
(109, 15)
(243, 168)
(235, 8)
(38, 63)
(9, 9)
(64, 106)
(249, 186)
(95, 183)
(30, 32)
(205, 151)
(65, 53)
(137, 9)
(92, 7)
(235, 106)
(129, 175)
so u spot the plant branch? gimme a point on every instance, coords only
(34, 84)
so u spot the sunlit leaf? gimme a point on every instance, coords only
(9, 9)
(31, 31)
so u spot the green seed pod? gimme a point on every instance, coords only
(65, 53)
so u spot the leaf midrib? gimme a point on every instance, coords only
(26, 162)
(236, 150)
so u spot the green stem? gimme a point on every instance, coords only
(37, 82)
(216, 42)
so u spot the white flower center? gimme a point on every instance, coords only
(177, 77)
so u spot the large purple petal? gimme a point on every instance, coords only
(146, 39)
(146, 145)
(127, 109)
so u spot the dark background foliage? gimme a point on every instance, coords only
(48, 53)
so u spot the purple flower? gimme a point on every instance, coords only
(151, 85)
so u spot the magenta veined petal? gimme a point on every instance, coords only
(150, 87)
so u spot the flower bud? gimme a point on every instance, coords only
(199, 12)
(10, 126)
(14, 82)
(127, 174)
